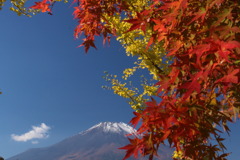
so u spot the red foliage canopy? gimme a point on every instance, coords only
(202, 88)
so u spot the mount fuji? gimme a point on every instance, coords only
(100, 142)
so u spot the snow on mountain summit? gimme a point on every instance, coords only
(100, 142)
(112, 127)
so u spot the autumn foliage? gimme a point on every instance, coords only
(200, 92)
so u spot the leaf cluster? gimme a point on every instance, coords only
(192, 49)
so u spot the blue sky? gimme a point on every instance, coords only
(52, 88)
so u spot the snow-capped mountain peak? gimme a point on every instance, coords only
(112, 127)
(100, 142)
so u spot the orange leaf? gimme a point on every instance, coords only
(44, 6)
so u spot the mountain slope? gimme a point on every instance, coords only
(100, 142)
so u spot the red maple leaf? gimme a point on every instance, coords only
(177, 45)
(230, 78)
(43, 6)
(192, 86)
(132, 148)
(164, 84)
(226, 47)
(136, 119)
(140, 22)
(87, 43)
(200, 14)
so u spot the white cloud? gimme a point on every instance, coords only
(35, 142)
(37, 132)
